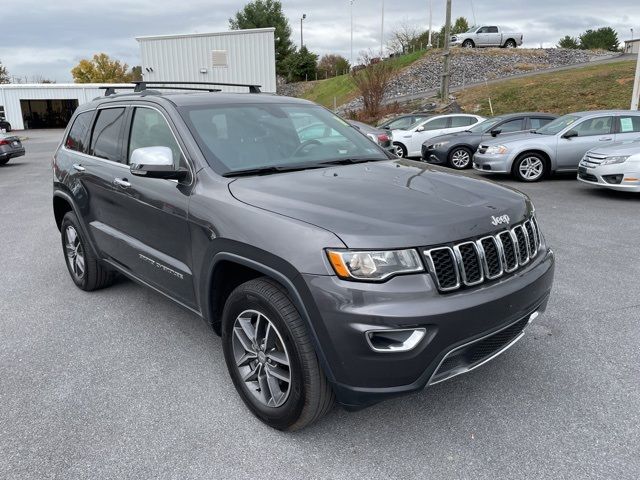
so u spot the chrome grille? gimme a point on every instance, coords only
(471, 263)
(592, 160)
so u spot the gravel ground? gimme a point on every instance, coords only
(122, 383)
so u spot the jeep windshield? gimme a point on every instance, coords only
(556, 126)
(264, 138)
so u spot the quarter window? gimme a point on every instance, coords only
(594, 126)
(77, 138)
(107, 131)
(629, 124)
(150, 129)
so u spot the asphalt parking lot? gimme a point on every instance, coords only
(122, 383)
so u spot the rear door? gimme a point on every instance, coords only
(627, 127)
(592, 132)
(494, 37)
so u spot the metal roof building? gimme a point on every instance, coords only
(236, 56)
(632, 46)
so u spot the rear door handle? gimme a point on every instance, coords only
(121, 182)
(79, 168)
(606, 139)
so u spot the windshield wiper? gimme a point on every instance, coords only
(269, 170)
(350, 161)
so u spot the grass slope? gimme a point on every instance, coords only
(343, 88)
(607, 86)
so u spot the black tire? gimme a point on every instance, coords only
(468, 44)
(460, 158)
(94, 275)
(4, 161)
(309, 395)
(510, 44)
(530, 167)
(401, 150)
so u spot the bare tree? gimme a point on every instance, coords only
(372, 82)
(403, 36)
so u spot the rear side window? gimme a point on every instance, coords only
(538, 122)
(462, 121)
(77, 138)
(629, 124)
(493, 29)
(107, 132)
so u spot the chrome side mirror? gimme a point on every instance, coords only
(154, 162)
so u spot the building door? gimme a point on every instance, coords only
(47, 113)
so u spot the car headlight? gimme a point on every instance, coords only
(495, 149)
(368, 265)
(615, 159)
(439, 144)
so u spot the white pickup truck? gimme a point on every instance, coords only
(487, 36)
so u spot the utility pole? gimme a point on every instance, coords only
(636, 86)
(444, 89)
(430, 22)
(382, 32)
(351, 59)
(304, 15)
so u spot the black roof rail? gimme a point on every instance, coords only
(112, 90)
(142, 85)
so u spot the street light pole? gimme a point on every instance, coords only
(382, 32)
(351, 5)
(304, 15)
(444, 90)
(636, 86)
(430, 22)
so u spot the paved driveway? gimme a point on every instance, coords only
(122, 383)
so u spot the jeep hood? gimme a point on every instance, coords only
(386, 204)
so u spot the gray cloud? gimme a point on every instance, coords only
(50, 39)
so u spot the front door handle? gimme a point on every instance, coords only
(606, 139)
(121, 182)
(79, 168)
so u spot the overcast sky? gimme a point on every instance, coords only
(47, 38)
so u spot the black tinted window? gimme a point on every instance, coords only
(493, 29)
(510, 126)
(76, 140)
(436, 124)
(462, 121)
(107, 131)
(537, 122)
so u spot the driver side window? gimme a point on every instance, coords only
(150, 129)
(594, 126)
(436, 124)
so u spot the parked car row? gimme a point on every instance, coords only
(532, 145)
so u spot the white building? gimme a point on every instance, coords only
(44, 105)
(632, 46)
(236, 56)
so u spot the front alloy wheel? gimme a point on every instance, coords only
(529, 168)
(261, 358)
(460, 158)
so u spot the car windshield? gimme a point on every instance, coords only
(472, 29)
(484, 126)
(556, 126)
(275, 137)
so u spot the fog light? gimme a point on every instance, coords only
(614, 179)
(392, 341)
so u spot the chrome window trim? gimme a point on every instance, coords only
(461, 267)
(432, 269)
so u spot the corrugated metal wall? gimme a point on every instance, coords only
(250, 54)
(10, 96)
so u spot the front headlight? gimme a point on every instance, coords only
(440, 144)
(496, 150)
(367, 265)
(615, 159)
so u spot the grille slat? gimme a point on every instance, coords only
(473, 262)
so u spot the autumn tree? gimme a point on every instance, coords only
(331, 65)
(403, 37)
(101, 69)
(372, 82)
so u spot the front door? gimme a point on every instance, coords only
(592, 132)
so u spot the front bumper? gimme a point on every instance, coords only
(500, 163)
(434, 155)
(596, 176)
(348, 310)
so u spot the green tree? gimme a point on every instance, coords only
(136, 73)
(301, 65)
(101, 69)
(461, 25)
(4, 74)
(604, 38)
(330, 65)
(262, 14)
(568, 42)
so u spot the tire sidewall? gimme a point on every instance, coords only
(520, 159)
(468, 44)
(71, 220)
(402, 148)
(287, 414)
(454, 150)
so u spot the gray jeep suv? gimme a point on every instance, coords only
(332, 270)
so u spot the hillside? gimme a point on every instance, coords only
(593, 87)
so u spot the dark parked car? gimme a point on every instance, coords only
(304, 254)
(4, 125)
(380, 136)
(456, 149)
(403, 122)
(10, 147)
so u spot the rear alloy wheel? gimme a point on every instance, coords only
(468, 44)
(530, 167)
(270, 357)
(400, 150)
(510, 44)
(460, 158)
